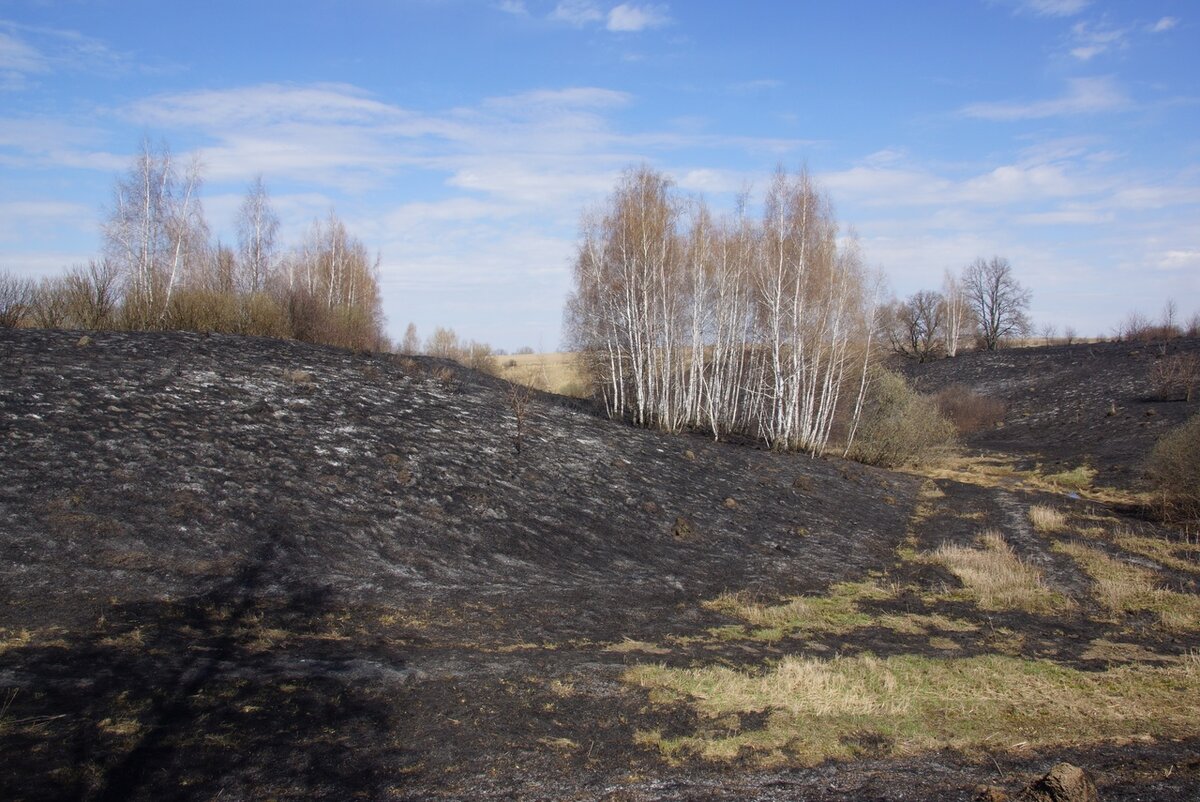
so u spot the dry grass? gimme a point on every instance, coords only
(1174, 554)
(838, 613)
(998, 579)
(552, 372)
(903, 705)
(1047, 519)
(1123, 588)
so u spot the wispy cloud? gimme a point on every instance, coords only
(623, 18)
(514, 7)
(1054, 8)
(1084, 96)
(1091, 40)
(632, 18)
(576, 12)
(1164, 24)
(29, 50)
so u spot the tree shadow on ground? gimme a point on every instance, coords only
(256, 688)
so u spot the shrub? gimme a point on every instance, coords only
(1174, 378)
(1174, 468)
(967, 410)
(900, 426)
(263, 316)
(203, 310)
(16, 298)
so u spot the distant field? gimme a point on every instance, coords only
(554, 372)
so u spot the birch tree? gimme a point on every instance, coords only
(258, 226)
(958, 311)
(732, 324)
(154, 232)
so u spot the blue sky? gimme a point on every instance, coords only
(462, 138)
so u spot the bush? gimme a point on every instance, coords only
(967, 410)
(1174, 468)
(900, 426)
(1174, 378)
(16, 298)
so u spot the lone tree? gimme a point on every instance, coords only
(917, 326)
(999, 302)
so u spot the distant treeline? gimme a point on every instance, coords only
(160, 269)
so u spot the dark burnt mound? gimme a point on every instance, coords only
(249, 569)
(1070, 405)
(349, 550)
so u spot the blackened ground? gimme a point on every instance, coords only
(251, 569)
(1070, 405)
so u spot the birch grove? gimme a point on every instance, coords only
(167, 273)
(735, 325)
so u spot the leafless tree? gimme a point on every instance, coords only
(49, 307)
(1070, 335)
(411, 344)
(958, 315)
(737, 325)
(520, 398)
(154, 232)
(258, 226)
(917, 325)
(999, 302)
(16, 298)
(332, 288)
(443, 343)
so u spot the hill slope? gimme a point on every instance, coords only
(253, 569)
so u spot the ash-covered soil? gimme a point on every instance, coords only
(248, 569)
(1070, 405)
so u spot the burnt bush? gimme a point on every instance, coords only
(967, 410)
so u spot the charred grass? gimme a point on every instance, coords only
(966, 668)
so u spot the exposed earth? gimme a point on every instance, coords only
(251, 569)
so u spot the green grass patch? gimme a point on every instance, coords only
(837, 613)
(1075, 479)
(822, 709)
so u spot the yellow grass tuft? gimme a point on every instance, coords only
(998, 579)
(1047, 519)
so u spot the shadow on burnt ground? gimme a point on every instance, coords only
(191, 699)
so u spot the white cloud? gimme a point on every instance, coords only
(514, 7)
(1090, 41)
(1084, 96)
(758, 85)
(1164, 24)
(632, 18)
(29, 50)
(576, 12)
(1067, 217)
(18, 56)
(1055, 8)
(1180, 260)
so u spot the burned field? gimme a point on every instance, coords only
(257, 569)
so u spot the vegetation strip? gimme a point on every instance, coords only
(839, 708)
